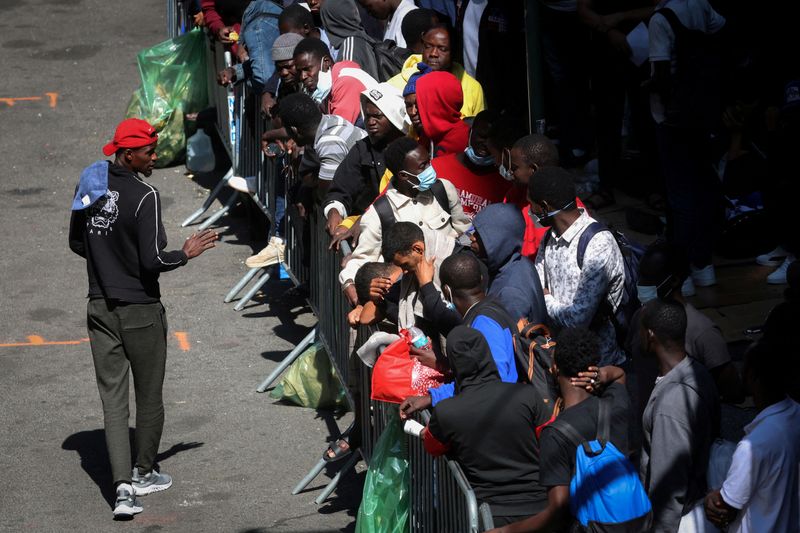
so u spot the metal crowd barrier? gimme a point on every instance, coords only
(179, 17)
(441, 499)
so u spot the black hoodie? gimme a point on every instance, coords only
(489, 428)
(123, 240)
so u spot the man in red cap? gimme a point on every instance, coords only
(116, 226)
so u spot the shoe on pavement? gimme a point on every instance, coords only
(150, 483)
(687, 289)
(246, 185)
(704, 277)
(774, 258)
(779, 276)
(126, 505)
(270, 255)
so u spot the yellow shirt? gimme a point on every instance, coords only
(473, 92)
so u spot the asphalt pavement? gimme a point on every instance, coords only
(69, 68)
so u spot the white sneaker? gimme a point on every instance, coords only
(247, 184)
(272, 254)
(126, 505)
(687, 289)
(779, 276)
(704, 277)
(773, 258)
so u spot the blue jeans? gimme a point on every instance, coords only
(259, 31)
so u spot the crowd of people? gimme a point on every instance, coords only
(467, 226)
(402, 122)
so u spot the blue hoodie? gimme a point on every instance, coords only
(512, 278)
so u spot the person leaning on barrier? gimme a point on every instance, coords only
(329, 136)
(489, 428)
(335, 88)
(413, 195)
(363, 174)
(462, 300)
(116, 226)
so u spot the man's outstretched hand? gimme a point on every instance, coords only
(199, 243)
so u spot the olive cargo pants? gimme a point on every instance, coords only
(129, 336)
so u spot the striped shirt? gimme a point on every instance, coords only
(335, 136)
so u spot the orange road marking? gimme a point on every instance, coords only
(183, 340)
(52, 99)
(36, 340)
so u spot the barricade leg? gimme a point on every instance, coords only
(220, 213)
(351, 462)
(314, 472)
(252, 292)
(242, 282)
(288, 360)
(210, 200)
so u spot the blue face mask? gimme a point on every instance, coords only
(324, 84)
(481, 161)
(646, 293)
(426, 178)
(504, 170)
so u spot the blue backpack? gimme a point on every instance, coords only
(605, 494)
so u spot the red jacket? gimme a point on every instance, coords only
(439, 101)
(475, 191)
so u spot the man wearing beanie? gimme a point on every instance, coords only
(116, 226)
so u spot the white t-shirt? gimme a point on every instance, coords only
(764, 477)
(695, 15)
(472, 21)
(394, 27)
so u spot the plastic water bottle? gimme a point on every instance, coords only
(418, 339)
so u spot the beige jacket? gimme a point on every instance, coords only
(424, 210)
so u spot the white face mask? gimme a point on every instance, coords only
(324, 84)
(504, 170)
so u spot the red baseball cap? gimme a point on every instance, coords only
(131, 133)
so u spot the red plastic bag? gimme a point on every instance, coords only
(396, 376)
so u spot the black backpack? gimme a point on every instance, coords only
(389, 58)
(386, 215)
(696, 86)
(533, 353)
(632, 253)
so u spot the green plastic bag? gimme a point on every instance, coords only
(385, 501)
(311, 381)
(173, 82)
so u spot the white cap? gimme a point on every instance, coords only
(389, 100)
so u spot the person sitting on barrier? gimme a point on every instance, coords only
(496, 238)
(489, 428)
(363, 175)
(473, 171)
(576, 356)
(330, 136)
(413, 194)
(463, 301)
(258, 32)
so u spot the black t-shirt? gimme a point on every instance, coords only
(558, 453)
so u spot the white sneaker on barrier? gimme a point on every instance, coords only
(246, 185)
(270, 255)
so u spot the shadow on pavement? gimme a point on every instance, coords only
(91, 447)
